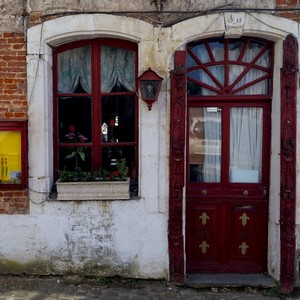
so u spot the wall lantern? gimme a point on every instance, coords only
(149, 84)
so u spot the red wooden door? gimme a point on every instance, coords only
(228, 149)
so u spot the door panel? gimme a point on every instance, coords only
(226, 237)
(227, 204)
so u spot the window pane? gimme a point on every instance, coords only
(246, 144)
(193, 89)
(75, 119)
(201, 53)
(234, 72)
(10, 157)
(235, 48)
(74, 70)
(260, 88)
(252, 51)
(70, 159)
(217, 48)
(117, 69)
(265, 60)
(218, 73)
(190, 62)
(205, 144)
(118, 115)
(112, 155)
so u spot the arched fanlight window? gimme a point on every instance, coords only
(220, 67)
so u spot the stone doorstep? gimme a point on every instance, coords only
(229, 280)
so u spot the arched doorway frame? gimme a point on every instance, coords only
(251, 26)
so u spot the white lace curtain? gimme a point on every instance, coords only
(75, 66)
(117, 68)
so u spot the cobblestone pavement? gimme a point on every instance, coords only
(75, 288)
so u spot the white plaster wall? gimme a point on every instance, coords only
(103, 238)
(124, 237)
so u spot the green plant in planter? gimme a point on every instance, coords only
(120, 174)
(78, 175)
(78, 153)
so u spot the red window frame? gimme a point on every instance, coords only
(96, 94)
(20, 126)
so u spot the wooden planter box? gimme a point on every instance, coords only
(95, 190)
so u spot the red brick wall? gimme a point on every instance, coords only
(293, 15)
(13, 102)
(14, 202)
(13, 106)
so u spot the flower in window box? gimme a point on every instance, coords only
(76, 152)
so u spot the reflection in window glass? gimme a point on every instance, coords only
(205, 144)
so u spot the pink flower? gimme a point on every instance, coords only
(73, 138)
(70, 136)
(81, 138)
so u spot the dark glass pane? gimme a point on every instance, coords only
(75, 118)
(118, 115)
(193, 89)
(75, 162)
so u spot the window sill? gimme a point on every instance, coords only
(96, 190)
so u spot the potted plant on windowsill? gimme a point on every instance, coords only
(102, 185)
